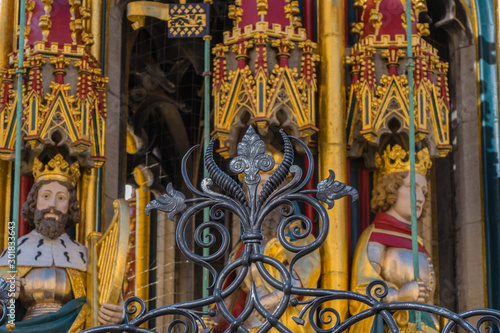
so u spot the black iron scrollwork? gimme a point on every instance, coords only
(6, 290)
(172, 201)
(252, 207)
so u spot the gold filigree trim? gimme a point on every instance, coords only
(292, 9)
(357, 28)
(376, 19)
(76, 24)
(262, 7)
(45, 23)
(359, 4)
(236, 12)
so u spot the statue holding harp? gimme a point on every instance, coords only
(54, 127)
(53, 269)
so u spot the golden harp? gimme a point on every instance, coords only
(107, 257)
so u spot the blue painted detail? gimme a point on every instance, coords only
(310, 97)
(9, 134)
(231, 100)
(490, 144)
(367, 109)
(96, 137)
(33, 113)
(66, 111)
(179, 28)
(301, 10)
(261, 98)
(351, 18)
(405, 107)
(294, 96)
(315, 25)
(351, 116)
(436, 116)
(421, 109)
(84, 118)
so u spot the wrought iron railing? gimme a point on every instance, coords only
(251, 208)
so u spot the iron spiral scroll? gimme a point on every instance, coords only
(251, 208)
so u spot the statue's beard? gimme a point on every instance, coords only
(50, 226)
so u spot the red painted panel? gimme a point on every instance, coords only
(309, 19)
(250, 13)
(392, 13)
(61, 17)
(25, 186)
(275, 13)
(35, 32)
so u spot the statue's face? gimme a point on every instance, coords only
(53, 196)
(402, 207)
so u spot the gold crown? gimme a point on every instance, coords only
(56, 169)
(398, 160)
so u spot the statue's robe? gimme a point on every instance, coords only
(37, 259)
(396, 236)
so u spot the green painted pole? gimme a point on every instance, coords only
(411, 111)
(206, 138)
(19, 113)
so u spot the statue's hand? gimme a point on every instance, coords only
(414, 291)
(110, 314)
(18, 282)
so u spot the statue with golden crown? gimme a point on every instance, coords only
(53, 269)
(384, 249)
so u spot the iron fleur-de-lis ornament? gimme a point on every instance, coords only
(252, 207)
(251, 160)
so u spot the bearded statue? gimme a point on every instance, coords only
(51, 281)
(384, 249)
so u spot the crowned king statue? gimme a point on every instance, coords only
(384, 250)
(52, 267)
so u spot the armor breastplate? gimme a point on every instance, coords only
(46, 289)
(397, 267)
